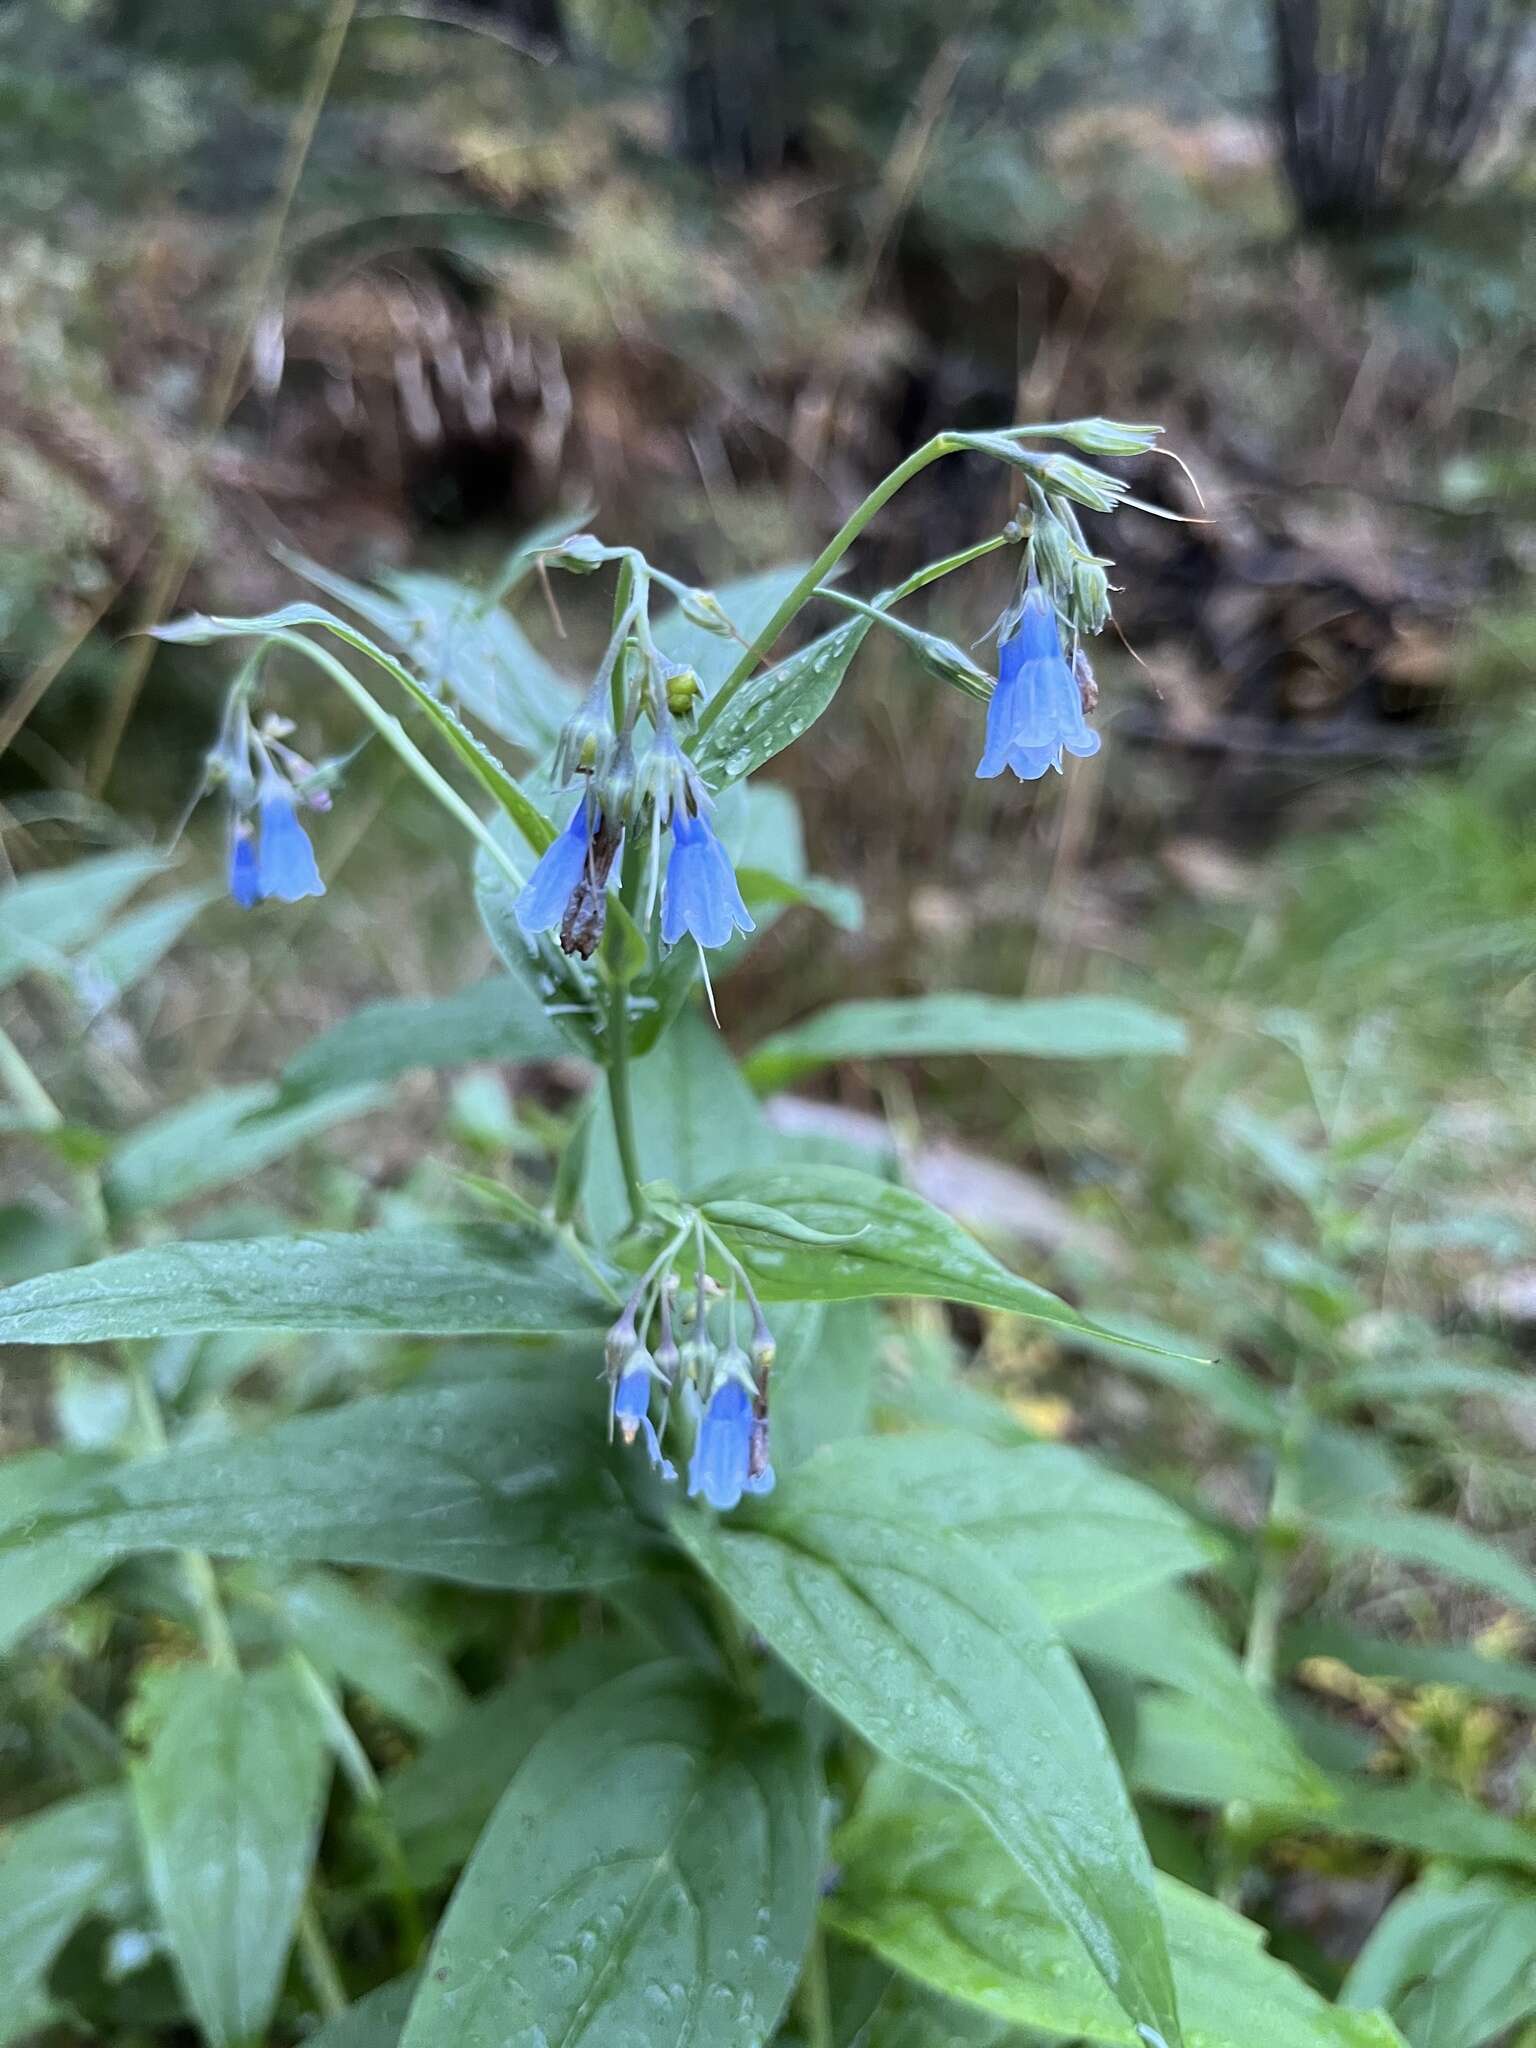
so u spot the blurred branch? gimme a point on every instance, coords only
(181, 551)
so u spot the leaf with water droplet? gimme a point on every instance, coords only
(773, 708)
(927, 1887)
(657, 1818)
(228, 1798)
(939, 1658)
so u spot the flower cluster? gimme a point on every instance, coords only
(659, 793)
(265, 782)
(713, 1394)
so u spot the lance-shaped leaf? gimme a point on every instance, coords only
(1451, 1960)
(220, 1137)
(894, 1243)
(503, 1482)
(476, 1281)
(771, 710)
(57, 1868)
(45, 916)
(498, 1019)
(911, 1027)
(51, 1569)
(925, 1886)
(649, 1877)
(228, 1798)
(1441, 1545)
(940, 1659)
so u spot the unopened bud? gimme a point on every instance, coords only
(951, 664)
(621, 1342)
(1109, 437)
(579, 555)
(1090, 597)
(683, 691)
(703, 608)
(1079, 481)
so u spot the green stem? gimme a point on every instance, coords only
(318, 1963)
(827, 560)
(394, 735)
(1261, 1650)
(621, 1097)
(813, 2000)
(39, 1105)
(29, 1094)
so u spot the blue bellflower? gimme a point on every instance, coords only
(285, 862)
(545, 895)
(1036, 711)
(700, 895)
(721, 1465)
(632, 1413)
(243, 883)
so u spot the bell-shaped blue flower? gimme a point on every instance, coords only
(243, 883)
(721, 1466)
(1036, 712)
(542, 902)
(632, 1413)
(700, 895)
(285, 861)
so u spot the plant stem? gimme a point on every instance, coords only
(182, 552)
(621, 1098)
(29, 1094)
(827, 560)
(318, 1963)
(1262, 1646)
(395, 735)
(813, 2000)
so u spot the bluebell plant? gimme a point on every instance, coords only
(641, 762)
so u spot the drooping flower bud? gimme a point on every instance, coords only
(1109, 437)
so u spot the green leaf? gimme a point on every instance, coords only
(371, 2022)
(228, 1797)
(64, 1864)
(132, 947)
(913, 1027)
(823, 1377)
(1193, 1750)
(749, 602)
(1429, 1379)
(475, 1281)
(1410, 1663)
(1429, 1819)
(373, 1647)
(52, 1569)
(937, 1656)
(898, 1244)
(227, 1134)
(771, 711)
(465, 645)
(1167, 1637)
(498, 1019)
(45, 916)
(649, 1877)
(1077, 1536)
(1452, 1960)
(1225, 1390)
(926, 1886)
(439, 1801)
(1442, 1546)
(503, 1482)
(694, 1118)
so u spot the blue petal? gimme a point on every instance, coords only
(285, 863)
(722, 1457)
(542, 903)
(701, 896)
(243, 885)
(1036, 710)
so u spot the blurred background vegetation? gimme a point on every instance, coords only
(386, 287)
